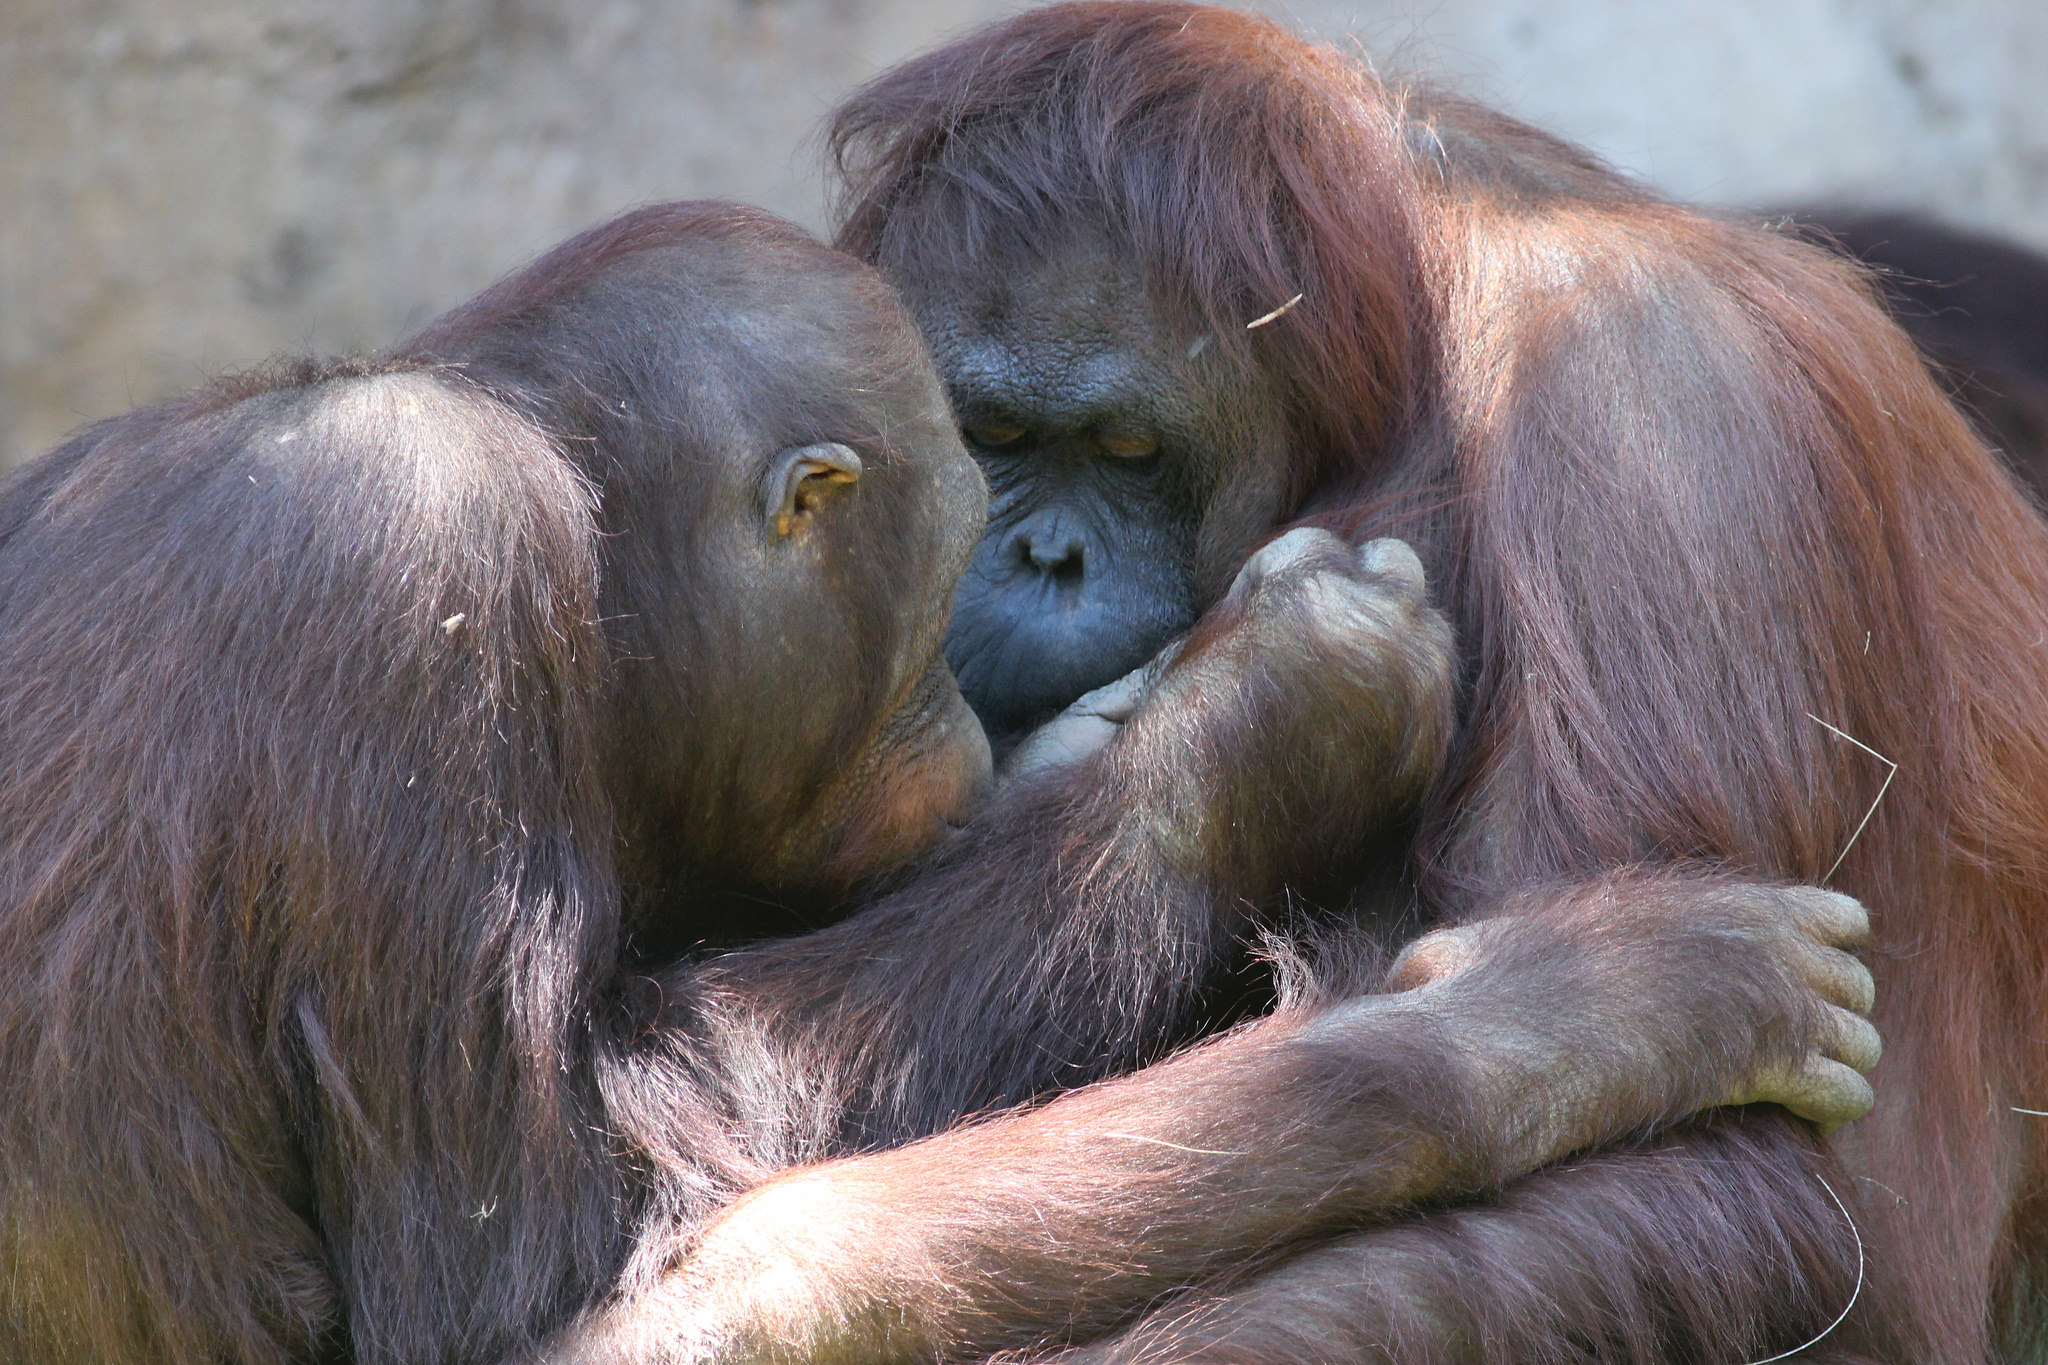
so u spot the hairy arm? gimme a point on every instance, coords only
(1530, 1042)
(1062, 1220)
(1073, 930)
(1719, 1240)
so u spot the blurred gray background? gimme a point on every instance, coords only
(188, 185)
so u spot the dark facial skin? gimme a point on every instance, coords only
(1105, 434)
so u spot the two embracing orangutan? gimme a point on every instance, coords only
(423, 778)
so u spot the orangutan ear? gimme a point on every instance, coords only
(803, 481)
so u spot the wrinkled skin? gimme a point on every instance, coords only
(1125, 475)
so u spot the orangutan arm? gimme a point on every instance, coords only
(1062, 1220)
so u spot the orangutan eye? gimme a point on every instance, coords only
(993, 433)
(1129, 445)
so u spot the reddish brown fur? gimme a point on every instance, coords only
(1689, 493)
(345, 712)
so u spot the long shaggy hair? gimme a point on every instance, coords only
(1727, 563)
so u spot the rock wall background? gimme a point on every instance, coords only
(187, 185)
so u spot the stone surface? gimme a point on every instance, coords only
(188, 185)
